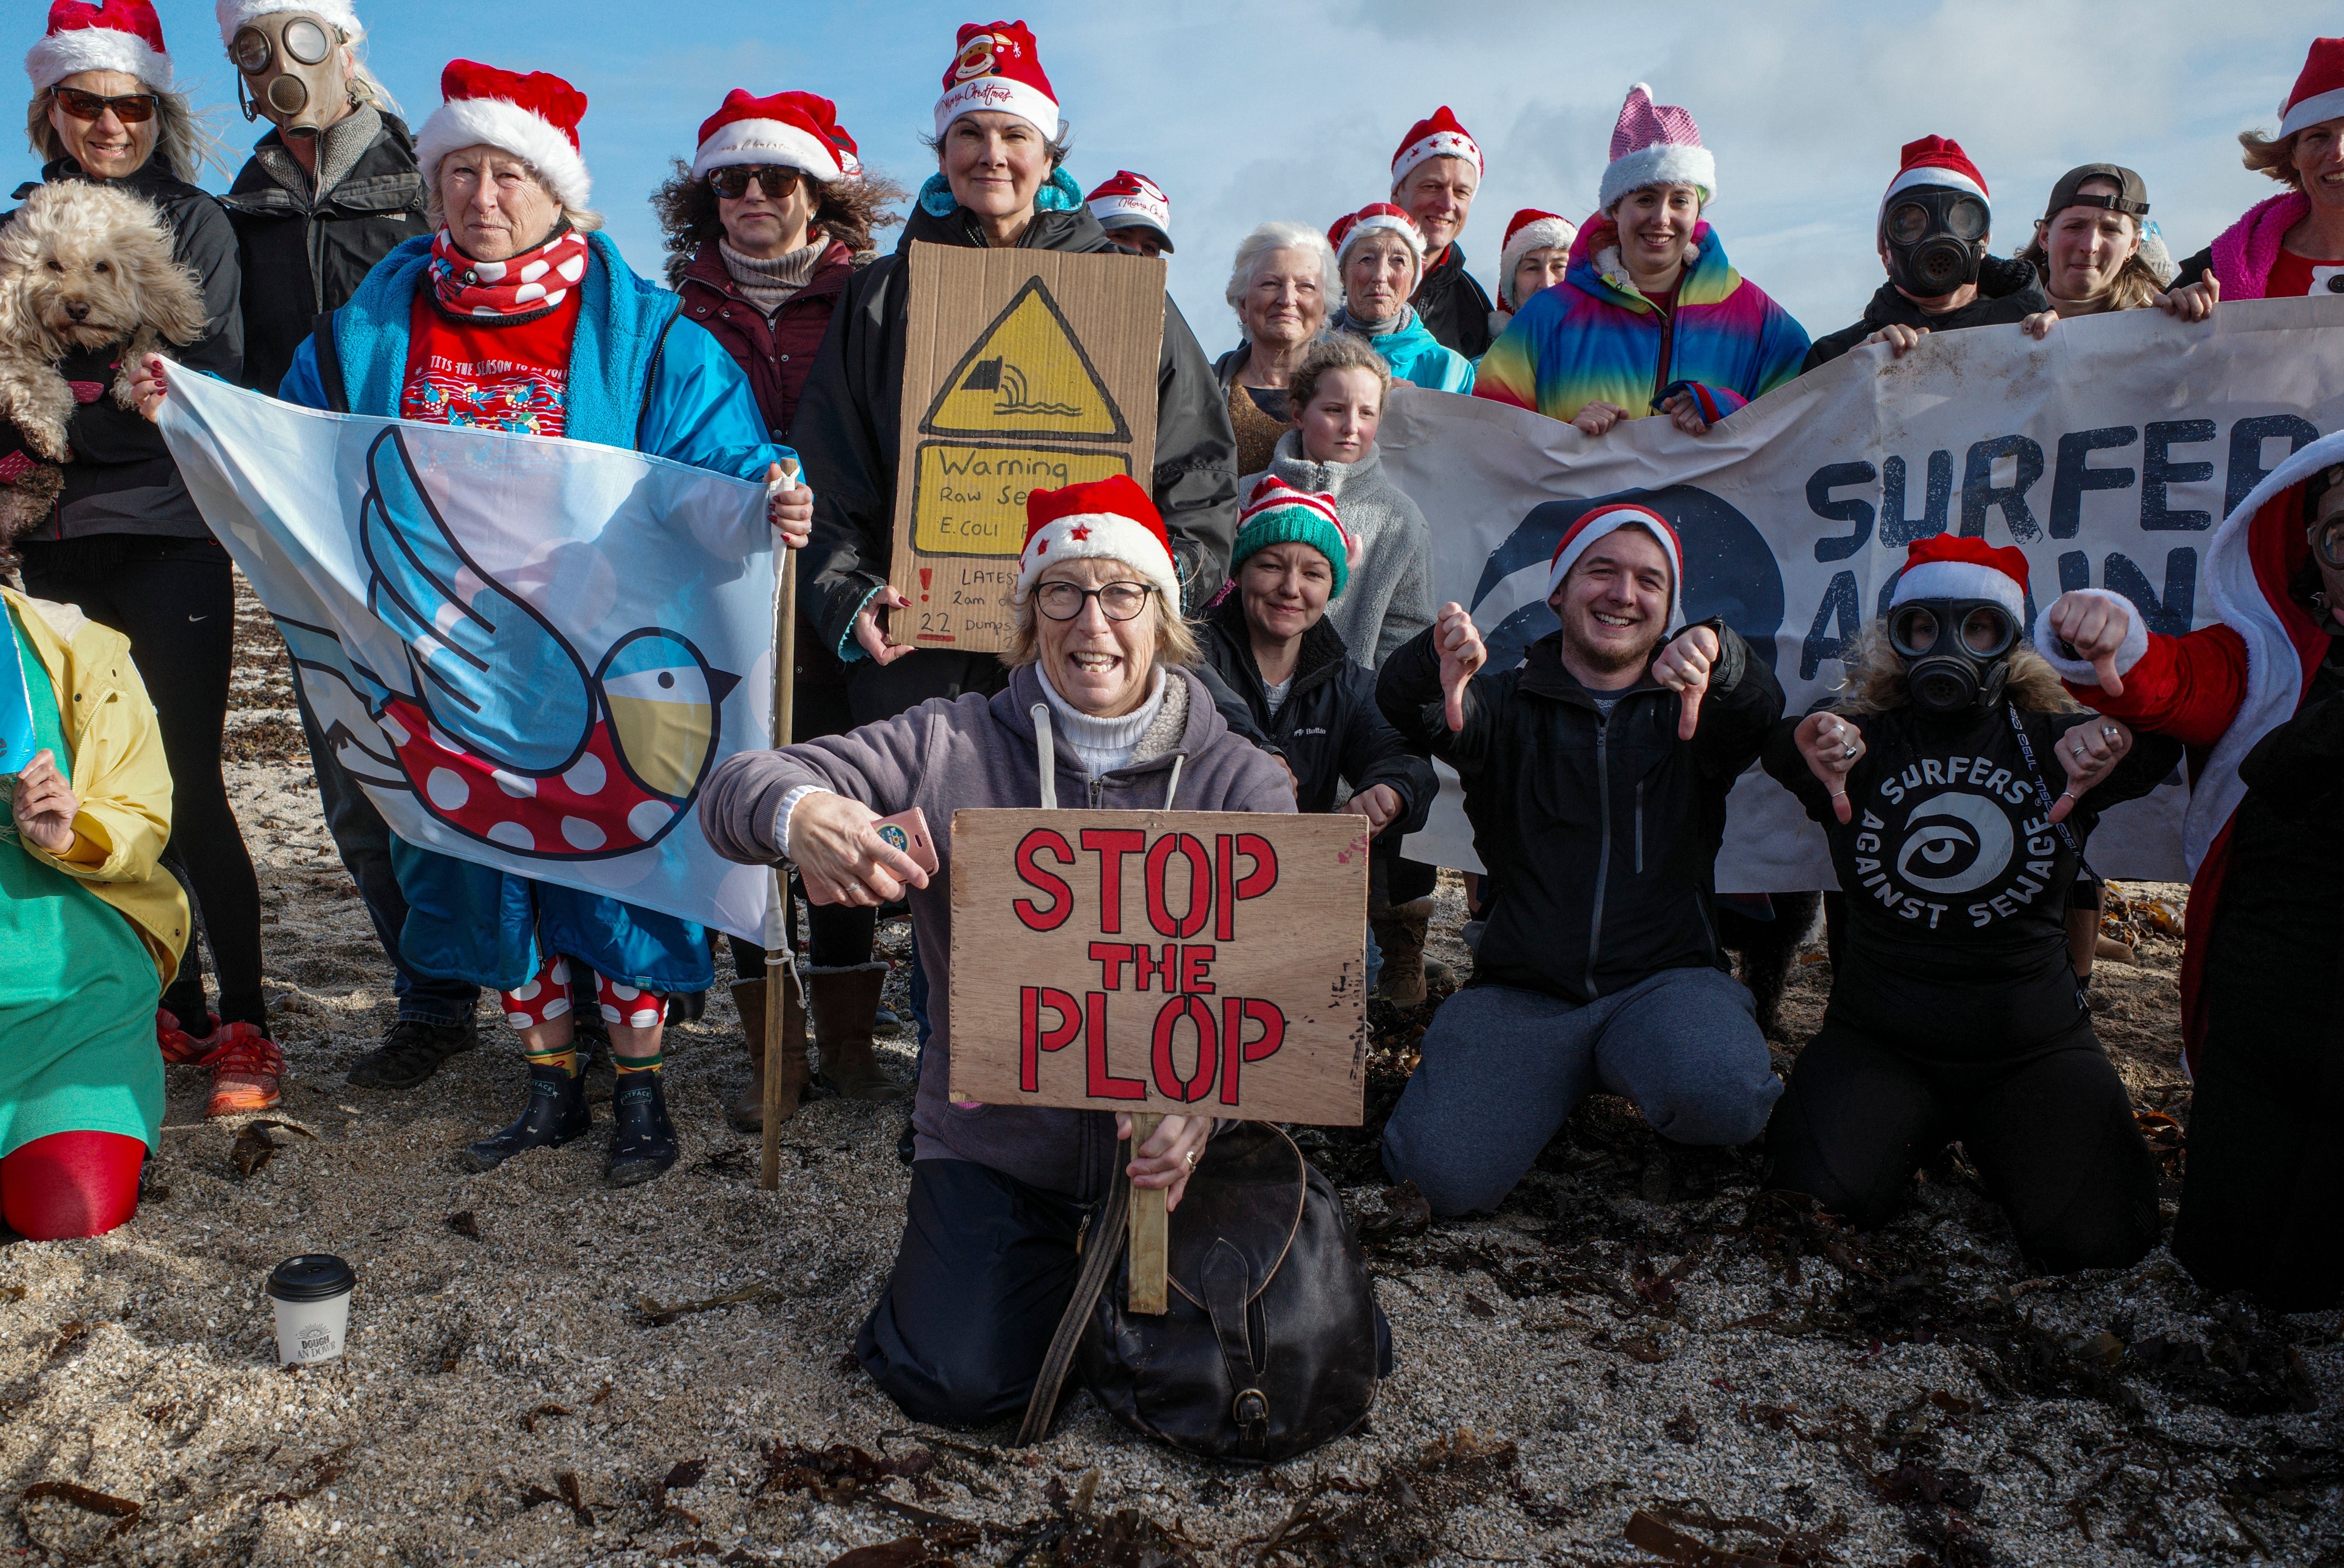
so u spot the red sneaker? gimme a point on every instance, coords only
(246, 1066)
(179, 1047)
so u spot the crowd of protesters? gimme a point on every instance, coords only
(1251, 625)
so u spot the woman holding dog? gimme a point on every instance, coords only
(123, 539)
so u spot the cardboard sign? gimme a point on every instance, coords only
(1198, 963)
(1022, 370)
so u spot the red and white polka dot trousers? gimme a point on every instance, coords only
(547, 998)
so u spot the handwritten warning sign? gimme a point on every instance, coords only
(1024, 370)
(1204, 962)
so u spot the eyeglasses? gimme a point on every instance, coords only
(1117, 601)
(131, 108)
(777, 180)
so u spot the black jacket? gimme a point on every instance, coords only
(2007, 293)
(1601, 835)
(301, 261)
(1452, 305)
(2194, 269)
(845, 429)
(1328, 728)
(122, 480)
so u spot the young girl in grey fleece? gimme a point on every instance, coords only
(1337, 397)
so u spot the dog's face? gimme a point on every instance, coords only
(92, 267)
(82, 294)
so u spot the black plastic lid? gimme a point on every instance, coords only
(311, 1277)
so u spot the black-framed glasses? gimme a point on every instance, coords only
(1117, 601)
(130, 108)
(777, 180)
(1914, 631)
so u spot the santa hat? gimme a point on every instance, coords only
(2319, 92)
(234, 13)
(1275, 513)
(1956, 567)
(774, 130)
(1936, 161)
(1110, 519)
(1438, 138)
(533, 116)
(1655, 145)
(996, 68)
(824, 114)
(1133, 201)
(101, 35)
(1605, 519)
(1530, 230)
(1352, 227)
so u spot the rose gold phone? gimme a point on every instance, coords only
(907, 831)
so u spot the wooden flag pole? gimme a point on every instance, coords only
(778, 956)
(1149, 1220)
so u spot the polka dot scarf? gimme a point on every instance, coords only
(522, 288)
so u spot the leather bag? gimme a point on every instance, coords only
(1272, 1343)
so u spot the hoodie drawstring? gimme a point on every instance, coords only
(1046, 751)
(1173, 789)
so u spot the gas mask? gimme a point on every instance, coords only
(289, 68)
(1956, 651)
(1935, 238)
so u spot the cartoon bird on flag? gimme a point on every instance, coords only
(503, 731)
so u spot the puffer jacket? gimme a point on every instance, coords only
(119, 774)
(846, 424)
(1451, 304)
(1601, 833)
(980, 751)
(775, 352)
(1415, 356)
(1593, 339)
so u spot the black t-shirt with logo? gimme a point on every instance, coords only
(1957, 883)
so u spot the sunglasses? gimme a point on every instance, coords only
(778, 180)
(131, 108)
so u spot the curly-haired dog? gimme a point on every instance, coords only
(83, 266)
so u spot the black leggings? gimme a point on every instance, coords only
(175, 599)
(2051, 1131)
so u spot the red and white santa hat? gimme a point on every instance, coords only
(1111, 519)
(2319, 92)
(996, 67)
(1352, 227)
(826, 114)
(1955, 566)
(1439, 137)
(100, 35)
(533, 116)
(1655, 145)
(1133, 201)
(1530, 230)
(1606, 519)
(1936, 161)
(779, 129)
(234, 13)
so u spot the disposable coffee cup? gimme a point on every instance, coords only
(312, 1296)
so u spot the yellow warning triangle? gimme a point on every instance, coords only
(1027, 375)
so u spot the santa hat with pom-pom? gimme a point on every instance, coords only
(779, 129)
(1655, 145)
(533, 116)
(1439, 137)
(100, 35)
(1110, 519)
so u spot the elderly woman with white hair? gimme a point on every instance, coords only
(1379, 255)
(1282, 284)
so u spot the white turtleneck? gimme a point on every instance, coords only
(1104, 745)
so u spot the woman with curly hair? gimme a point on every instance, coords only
(1955, 1012)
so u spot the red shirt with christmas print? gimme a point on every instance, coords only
(488, 371)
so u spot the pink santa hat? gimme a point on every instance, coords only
(1608, 519)
(1655, 145)
(123, 36)
(533, 116)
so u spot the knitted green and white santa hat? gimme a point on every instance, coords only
(1275, 513)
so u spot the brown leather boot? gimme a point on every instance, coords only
(746, 1110)
(846, 1001)
(1399, 931)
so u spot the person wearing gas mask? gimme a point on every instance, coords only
(1957, 784)
(1934, 225)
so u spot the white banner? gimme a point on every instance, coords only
(2107, 452)
(529, 652)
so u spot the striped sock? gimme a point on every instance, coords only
(566, 1059)
(632, 1064)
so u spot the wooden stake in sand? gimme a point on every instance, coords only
(778, 956)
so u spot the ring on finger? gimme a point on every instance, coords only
(1848, 752)
(1192, 1159)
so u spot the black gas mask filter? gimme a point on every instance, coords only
(289, 67)
(1935, 239)
(1956, 651)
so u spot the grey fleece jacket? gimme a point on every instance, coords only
(1390, 597)
(980, 751)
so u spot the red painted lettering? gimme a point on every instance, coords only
(1254, 883)
(1034, 1039)
(1145, 966)
(1062, 897)
(1193, 964)
(1168, 1081)
(1111, 845)
(1200, 885)
(1111, 957)
(1236, 1013)
(1101, 1084)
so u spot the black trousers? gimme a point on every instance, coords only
(985, 1272)
(175, 599)
(2052, 1132)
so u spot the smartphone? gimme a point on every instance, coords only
(907, 832)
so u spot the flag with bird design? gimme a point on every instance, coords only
(529, 652)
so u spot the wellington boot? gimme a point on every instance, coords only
(557, 1115)
(642, 1143)
(746, 1110)
(844, 1001)
(1399, 931)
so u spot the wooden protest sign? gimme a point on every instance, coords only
(1204, 963)
(1022, 370)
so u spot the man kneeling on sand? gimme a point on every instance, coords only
(1597, 776)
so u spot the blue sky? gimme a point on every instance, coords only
(1247, 111)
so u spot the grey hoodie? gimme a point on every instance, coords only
(980, 751)
(1390, 597)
